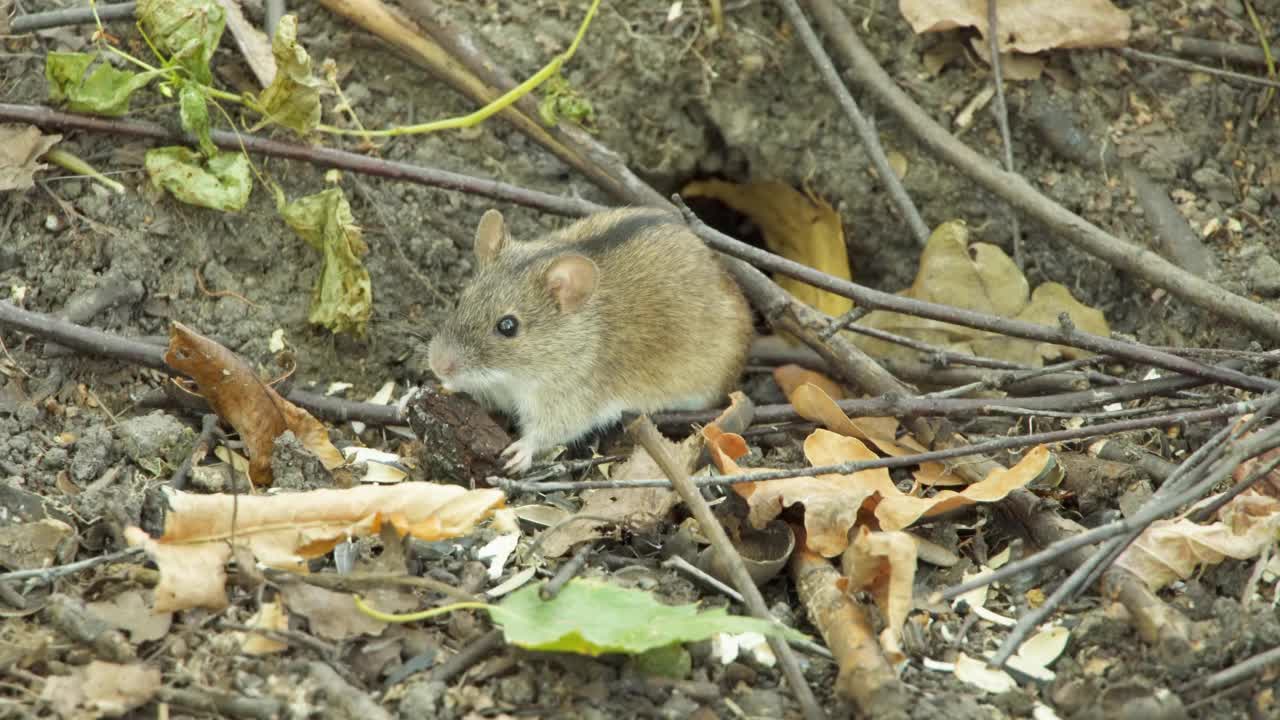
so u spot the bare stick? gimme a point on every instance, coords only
(866, 131)
(70, 16)
(565, 573)
(321, 156)
(1218, 50)
(1197, 67)
(1002, 120)
(52, 573)
(551, 203)
(1062, 335)
(990, 446)
(1021, 194)
(1156, 508)
(646, 435)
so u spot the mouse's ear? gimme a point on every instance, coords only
(571, 280)
(491, 236)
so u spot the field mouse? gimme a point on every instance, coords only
(625, 310)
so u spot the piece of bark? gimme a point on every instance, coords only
(460, 442)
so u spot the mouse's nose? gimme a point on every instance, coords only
(443, 361)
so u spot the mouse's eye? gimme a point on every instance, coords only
(507, 326)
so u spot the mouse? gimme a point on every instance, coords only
(625, 310)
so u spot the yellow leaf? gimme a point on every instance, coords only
(285, 530)
(797, 226)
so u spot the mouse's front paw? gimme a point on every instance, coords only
(519, 456)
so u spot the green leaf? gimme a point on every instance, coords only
(103, 90)
(223, 182)
(194, 111)
(591, 617)
(671, 661)
(293, 97)
(186, 30)
(343, 297)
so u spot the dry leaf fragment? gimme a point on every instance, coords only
(330, 615)
(20, 149)
(798, 226)
(101, 689)
(285, 530)
(270, 616)
(1027, 26)
(638, 509)
(983, 278)
(831, 502)
(900, 511)
(235, 393)
(791, 377)
(131, 612)
(1172, 549)
(884, 564)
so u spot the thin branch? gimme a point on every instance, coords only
(866, 131)
(1017, 191)
(1002, 121)
(321, 156)
(52, 573)
(1163, 502)
(1064, 334)
(1197, 67)
(512, 487)
(646, 435)
(82, 15)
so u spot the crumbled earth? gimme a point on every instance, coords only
(80, 451)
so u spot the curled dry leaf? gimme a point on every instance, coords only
(21, 147)
(640, 510)
(812, 403)
(236, 394)
(983, 278)
(833, 502)
(792, 377)
(285, 530)
(899, 511)
(884, 564)
(1027, 26)
(798, 226)
(1172, 549)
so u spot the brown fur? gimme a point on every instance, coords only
(664, 327)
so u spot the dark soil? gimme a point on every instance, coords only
(76, 445)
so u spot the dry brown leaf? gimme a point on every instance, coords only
(640, 510)
(798, 226)
(791, 377)
(1013, 66)
(831, 502)
(270, 616)
(283, 531)
(724, 448)
(235, 393)
(983, 278)
(20, 149)
(884, 564)
(101, 689)
(1173, 549)
(330, 615)
(1271, 481)
(1028, 26)
(812, 403)
(899, 511)
(131, 611)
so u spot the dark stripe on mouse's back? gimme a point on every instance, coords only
(604, 240)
